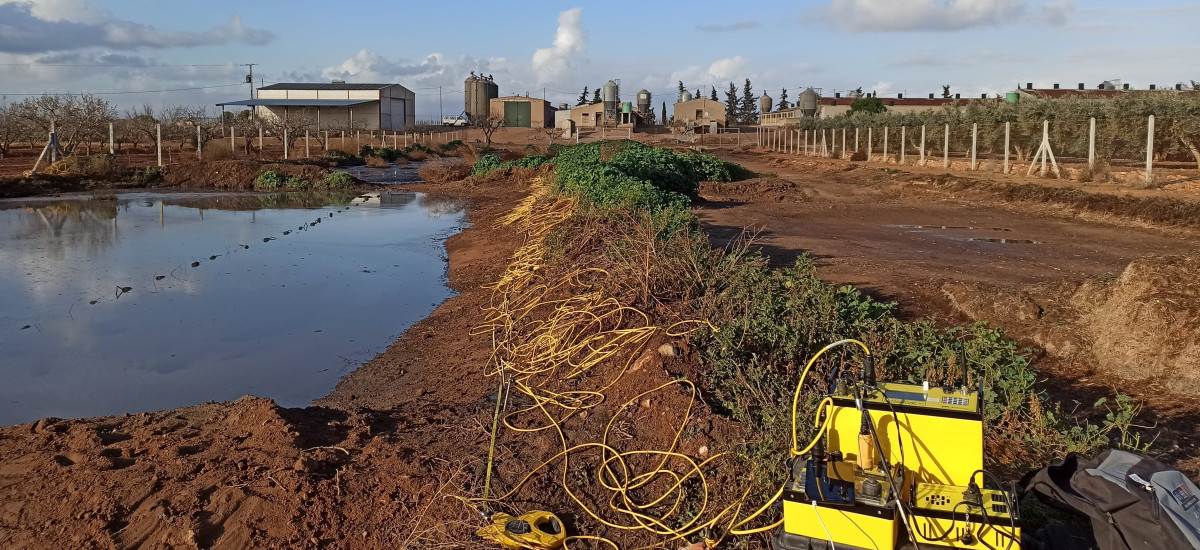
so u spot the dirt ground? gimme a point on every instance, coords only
(371, 464)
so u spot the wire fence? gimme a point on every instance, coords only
(1146, 145)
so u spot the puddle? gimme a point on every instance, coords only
(396, 173)
(949, 227)
(1005, 241)
(159, 301)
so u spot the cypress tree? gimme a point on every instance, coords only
(664, 117)
(596, 97)
(783, 102)
(713, 95)
(583, 99)
(731, 105)
(697, 94)
(681, 88)
(748, 109)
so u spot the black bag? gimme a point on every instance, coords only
(1134, 502)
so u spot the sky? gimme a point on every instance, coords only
(196, 50)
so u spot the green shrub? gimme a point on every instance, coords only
(340, 156)
(270, 179)
(149, 174)
(296, 182)
(485, 164)
(337, 180)
(385, 153)
(451, 145)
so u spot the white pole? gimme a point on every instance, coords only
(806, 143)
(1007, 133)
(199, 144)
(111, 149)
(843, 142)
(260, 140)
(856, 139)
(903, 145)
(870, 138)
(946, 149)
(285, 144)
(326, 140)
(1150, 150)
(158, 141)
(1045, 140)
(232, 144)
(922, 145)
(1092, 143)
(974, 143)
(885, 136)
(306, 149)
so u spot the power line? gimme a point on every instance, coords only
(119, 65)
(128, 92)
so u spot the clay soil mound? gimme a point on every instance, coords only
(765, 189)
(235, 174)
(1142, 325)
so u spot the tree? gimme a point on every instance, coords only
(783, 102)
(713, 95)
(731, 104)
(12, 129)
(664, 116)
(749, 107)
(78, 119)
(697, 94)
(489, 123)
(583, 98)
(596, 97)
(872, 105)
(681, 90)
(945, 91)
(550, 134)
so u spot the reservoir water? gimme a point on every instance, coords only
(155, 301)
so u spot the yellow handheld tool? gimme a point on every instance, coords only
(536, 530)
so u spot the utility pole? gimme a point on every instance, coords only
(440, 114)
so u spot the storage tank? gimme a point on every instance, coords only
(611, 97)
(478, 91)
(765, 103)
(627, 107)
(808, 102)
(643, 101)
(685, 96)
(1012, 97)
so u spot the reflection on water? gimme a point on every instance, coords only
(158, 301)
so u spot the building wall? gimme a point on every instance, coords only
(702, 111)
(541, 113)
(366, 115)
(585, 116)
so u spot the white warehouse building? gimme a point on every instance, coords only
(336, 104)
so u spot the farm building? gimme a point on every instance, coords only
(337, 104)
(702, 112)
(523, 112)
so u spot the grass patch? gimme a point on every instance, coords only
(445, 170)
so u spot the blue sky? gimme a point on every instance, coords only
(890, 46)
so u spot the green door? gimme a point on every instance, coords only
(517, 113)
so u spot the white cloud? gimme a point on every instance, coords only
(39, 26)
(569, 50)
(719, 72)
(940, 15)
(739, 26)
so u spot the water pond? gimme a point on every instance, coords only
(155, 301)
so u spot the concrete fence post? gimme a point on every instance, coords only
(1007, 134)
(903, 143)
(357, 141)
(922, 145)
(158, 141)
(856, 139)
(111, 149)
(946, 148)
(885, 143)
(232, 143)
(1150, 150)
(1092, 143)
(974, 143)
(306, 148)
(870, 138)
(199, 144)
(326, 140)
(806, 143)
(285, 144)
(843, 142)
(260, 141)
(1045, 143)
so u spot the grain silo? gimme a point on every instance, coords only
(643, 102)
(611, 96)
(808, 102)
(478, 91)
(765, 103)
(685, 96)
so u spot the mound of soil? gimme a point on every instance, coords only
(1143, 325)
(235, 174)
(765, 189)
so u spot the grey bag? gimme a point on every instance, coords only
(1134, 502)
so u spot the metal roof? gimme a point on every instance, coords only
(298, 102)
(325, 86)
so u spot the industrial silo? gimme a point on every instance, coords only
(808, 102)
(643, 102)
(685, 96)
(765, 103)
(610, 95)
(478, 91)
